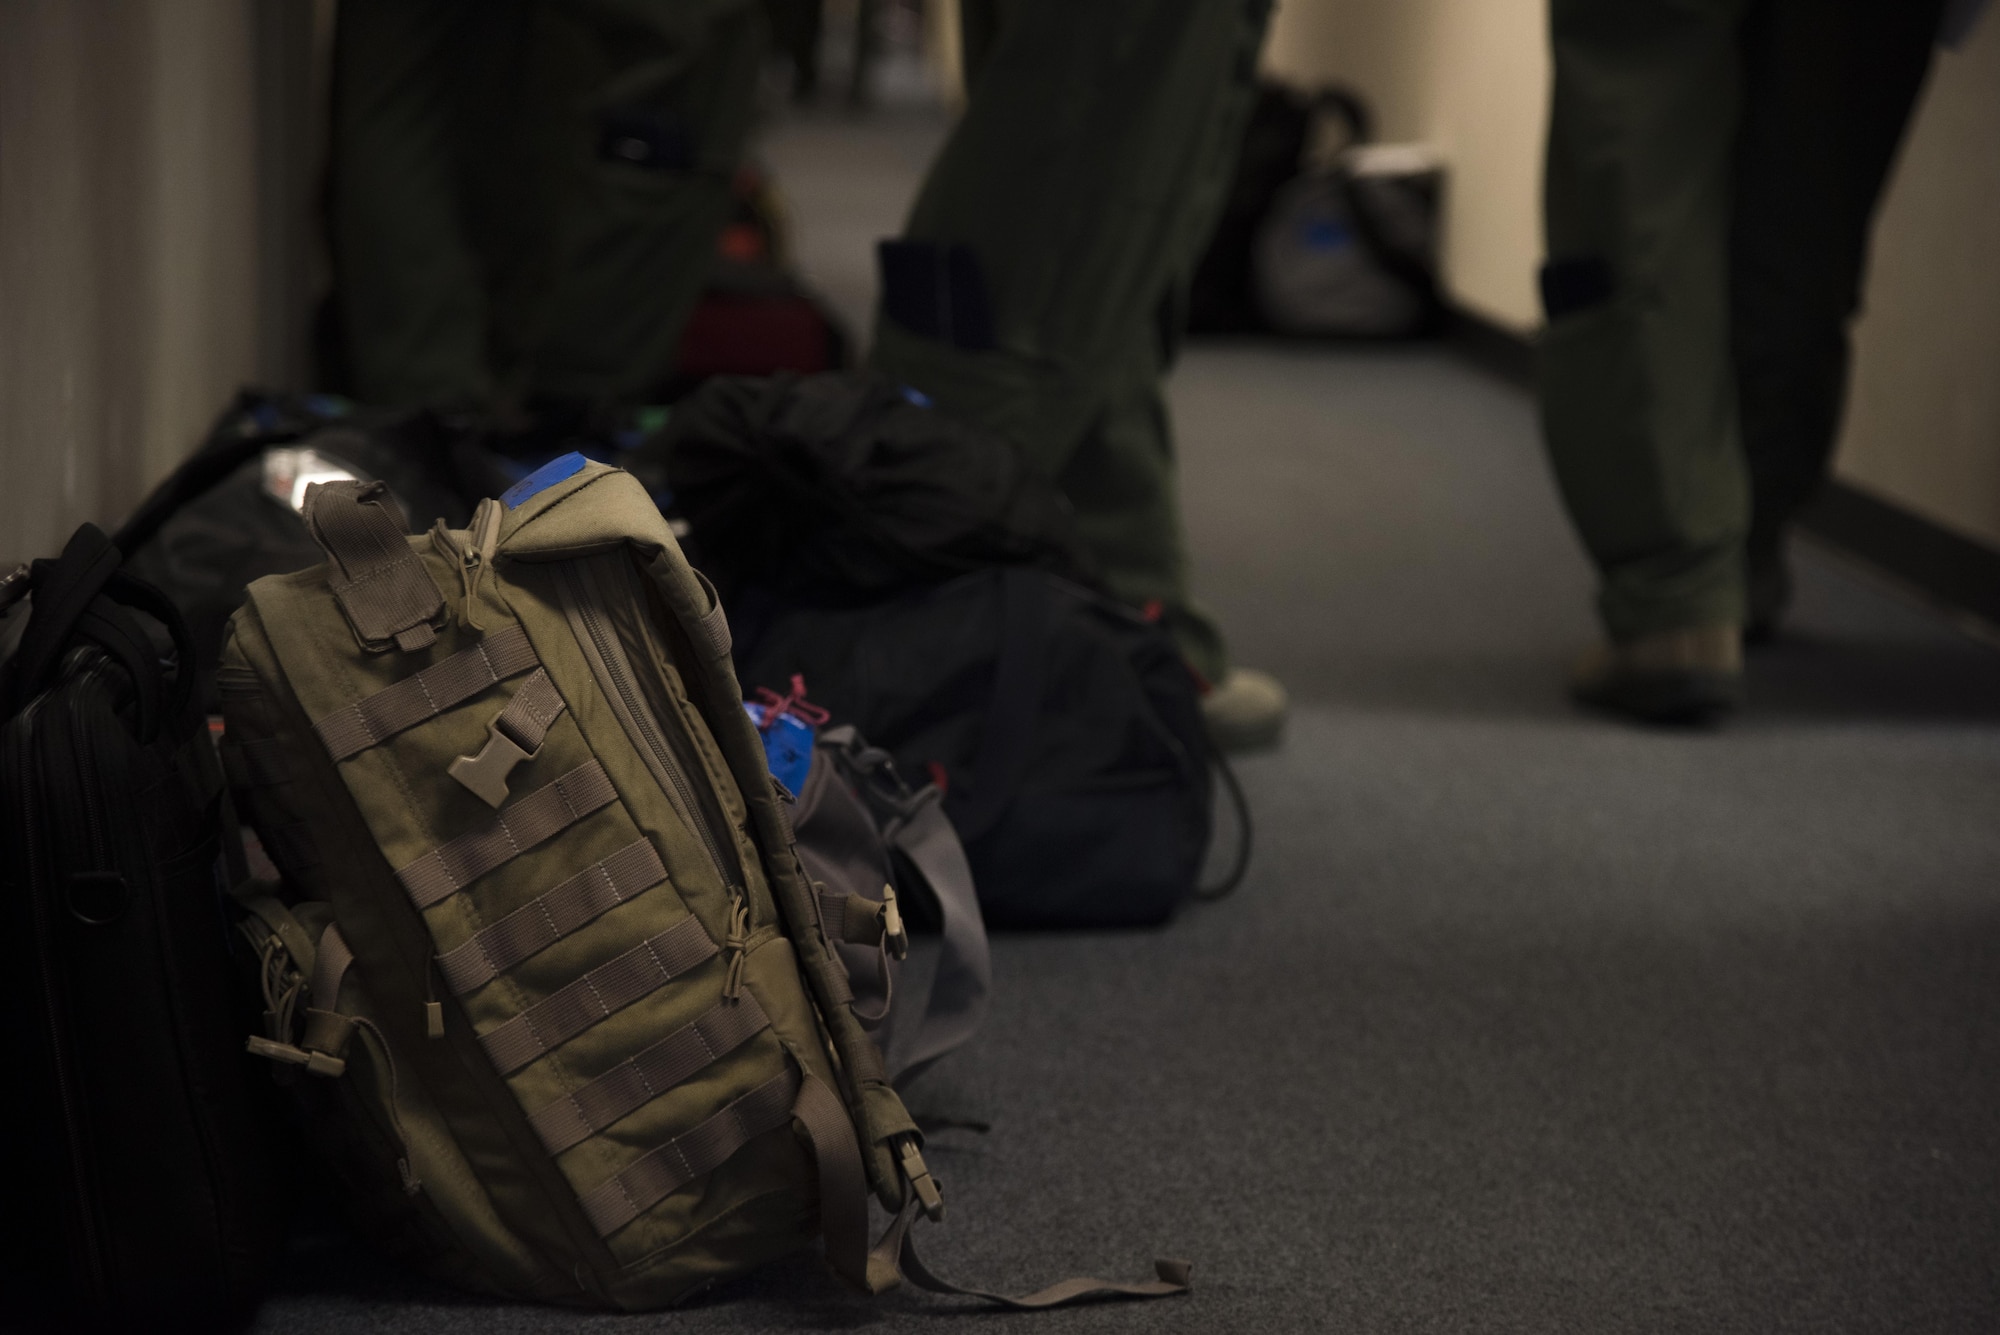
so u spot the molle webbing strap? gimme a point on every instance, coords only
(843, 1182)
(331, 960)
(539, 924)
(514, 735)
(527, 717)
(632, 1084)
(378, 580)
(692, 1154)
(546, 812)
(712, 631)
(564, 1014)
(355, 728)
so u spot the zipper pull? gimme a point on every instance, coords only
(738, 946)
(433, 1008)
(482, 537)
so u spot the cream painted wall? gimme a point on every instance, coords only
(1471, 77)
(1923, 418)
(127, 249)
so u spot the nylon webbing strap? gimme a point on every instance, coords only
(547, 811)
(896, 1255)
(855, 919)
(542, 922)
(843, 1182)
(962, 982)
(712, 630)
(693, 1153)
(527, 717)
(331, 960)
(424, 695)
(630, 1085)
(564, 1014)
(379, 581)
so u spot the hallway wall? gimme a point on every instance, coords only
(1471, 77)
(153, 252)
(1468, 76)
(126, 211)
(1923, 420)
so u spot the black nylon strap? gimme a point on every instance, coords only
(262, 762)
(1007, 737)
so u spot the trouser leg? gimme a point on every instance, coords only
(649, 103)
(1831, 84)
(1638, 402)
(410, 289)
(1083, 179)
(526, 195)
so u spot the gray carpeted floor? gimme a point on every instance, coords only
(1523, 1021)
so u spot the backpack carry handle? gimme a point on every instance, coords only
(83, 595)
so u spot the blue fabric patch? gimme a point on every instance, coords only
(788, 746)
(1325, 234)
(911, 394)
(550, 473)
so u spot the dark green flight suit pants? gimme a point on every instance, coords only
(1713, 168)
(526, 193)
(1084, 179)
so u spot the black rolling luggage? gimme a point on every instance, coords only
(142, 1190)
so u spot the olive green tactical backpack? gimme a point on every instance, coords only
(545, 972)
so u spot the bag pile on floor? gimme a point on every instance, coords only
(1323, 234)
(929, 588)
(574, 998)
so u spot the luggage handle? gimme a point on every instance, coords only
(82, 593)
(62, 603)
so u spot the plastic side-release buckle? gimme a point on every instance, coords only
(486, 773)
(920, 1179)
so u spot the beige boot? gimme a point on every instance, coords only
(1692, 675)
(1245, 710)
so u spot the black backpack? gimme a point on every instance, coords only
(929, 586)
(143, 1190)
(848, 487)
(1064, 728)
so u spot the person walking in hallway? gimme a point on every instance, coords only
(1039, 288)
(1713, 169)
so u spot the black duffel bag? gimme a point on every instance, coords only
(1064, 728)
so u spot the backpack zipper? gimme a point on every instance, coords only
(583, 605)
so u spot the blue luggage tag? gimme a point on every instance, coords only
(788, 726)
